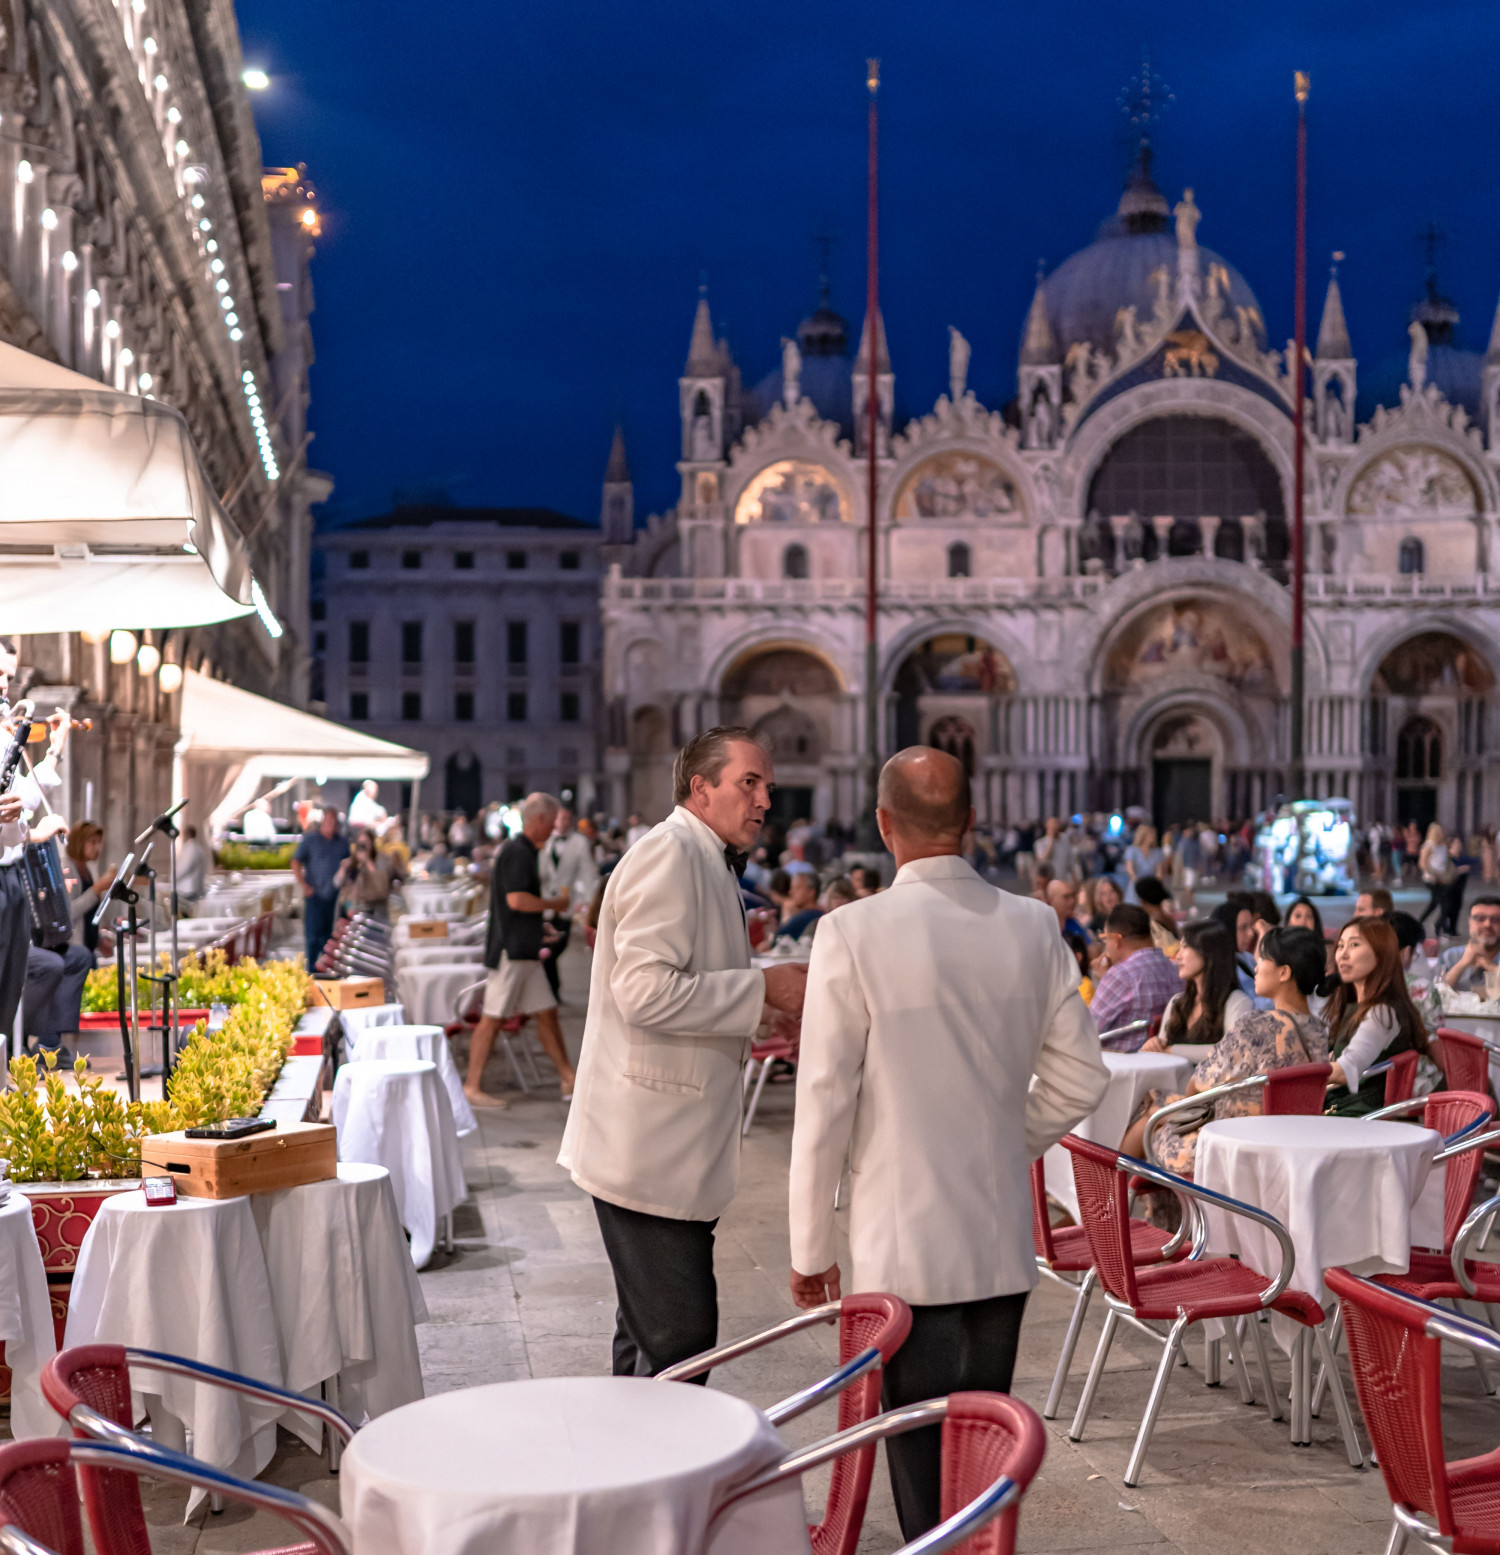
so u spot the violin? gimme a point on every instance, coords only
(23, 726)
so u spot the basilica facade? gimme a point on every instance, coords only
(1084, 595)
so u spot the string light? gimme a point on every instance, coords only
(169, 678)
(263, 609)
(121, 647)
(148, 660)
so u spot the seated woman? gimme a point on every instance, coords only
(1371, 1016)
(1210, 1002)
(1101, 896)
(1287, 969)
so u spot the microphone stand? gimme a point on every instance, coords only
(164, 826)
(125, 973)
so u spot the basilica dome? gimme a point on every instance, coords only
(1085, 294)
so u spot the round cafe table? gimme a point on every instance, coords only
(419, 1043)
(1131, 1075)
(430, 991)
(568, 1466)
(1352, 1194)
(25, 1319)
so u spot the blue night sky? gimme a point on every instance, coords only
(519, 198)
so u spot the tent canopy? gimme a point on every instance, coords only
(254, 740)
(100, 491)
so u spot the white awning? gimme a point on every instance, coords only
(253, 740)
(100, 491)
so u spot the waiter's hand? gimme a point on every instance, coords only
(10, 808)
(785, 988)
(812, 1290)
(48, 826)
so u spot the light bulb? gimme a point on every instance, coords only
(148, 659)
(24, 173)
(149, 44)
(309, 217)
(146, 380)
(256, 80)
(226, 303)
(217, 266)
(70, 261)
(92, 298)
(231, 319)
(160, 83)
(236, 334)
(121, 647)
(112, 329)
(127, 356)
(174, 114)
(182, 148)
(94, 636)
(170, 677)
(49, 219)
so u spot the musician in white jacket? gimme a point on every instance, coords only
(944, 1047)
(654, 1130)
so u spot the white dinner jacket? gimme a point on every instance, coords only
(944, 1046)
(673, 1004)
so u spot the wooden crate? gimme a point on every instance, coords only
(283, 1157)
(345, 993)
(426, 928)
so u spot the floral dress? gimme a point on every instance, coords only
(1260, 1041)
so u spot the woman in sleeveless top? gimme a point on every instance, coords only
(1370, 1015)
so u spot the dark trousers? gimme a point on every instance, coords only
(54, 991)
(563, 927)
(664, 1284)
(15, 941)
(965, 1346)
(318, 913)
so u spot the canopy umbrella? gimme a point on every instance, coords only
(106, 515)
(237, 740)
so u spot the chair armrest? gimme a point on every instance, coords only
(157, 1360)
(831, 1385)
(1459, 1257)
(696, 1365)
(14, 1542)
(988, 1504)
(1365, 1074)
(1467, 1139)
(1192, 1190)
(1396, 1108)
(1211, 1094)
(323, 1527)
(1125, 1030)
(1419, 1528)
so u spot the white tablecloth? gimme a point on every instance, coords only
(1351, 1194)
(568, 1466)
(411, 1043)
(25, 1320)
(431, 991)
(363, 1016)
(397, 1115)
(345, 1295)
(431, 952)
(431, 899)
(1131, 1075)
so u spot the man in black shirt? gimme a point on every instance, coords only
(517, 984)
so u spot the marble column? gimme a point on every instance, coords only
(1162, 524)
(1120, 524)
(1254, 527)
(1208, 529)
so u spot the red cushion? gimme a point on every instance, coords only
(1215, 1287)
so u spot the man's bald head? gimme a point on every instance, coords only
(925, 795)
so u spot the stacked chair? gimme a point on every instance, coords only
(360, 947)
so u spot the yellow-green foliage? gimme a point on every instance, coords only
(48, 1132)
(244, 855)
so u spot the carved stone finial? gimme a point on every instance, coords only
(958, 365)
(791, 371)
(1416, 361)
(1188, 216)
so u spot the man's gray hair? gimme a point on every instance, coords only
(706, 755)
(539, 804)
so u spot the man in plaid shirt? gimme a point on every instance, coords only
(1140, 980)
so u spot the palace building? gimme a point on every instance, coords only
(1085, 595)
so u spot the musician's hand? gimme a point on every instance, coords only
(49, 826)
(105, 880)
(10, 808)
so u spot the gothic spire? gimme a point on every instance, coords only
(882, 356)
(618, 469)
(1038, 347)
(1333, 332)
(703, 355)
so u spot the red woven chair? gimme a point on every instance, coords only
(762, 924)
(1299, 1088)
(763, 1053)
(89, 1386)
(1187, 1292)
(1465, 1059)
(1400, 1077)
(467, 1008)
(1065, 1250)
(1395, 1347)
(992, 1447)
(872, 1327)
(39, 1493)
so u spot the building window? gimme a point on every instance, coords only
(463, 642)
(319, 610)
(568, 707)
(320, 642)
(794, 562)
(359, 642)
(515, 561)
(411, 561)
(958, 560)
(514, 792)
(411, 707)
(1412, 559)
(515, 642)
(570, 641)
(463, 707)
(411, 642)
(463, 561)
(359, 706)
(1419, 752)
(359, 560)
(569, 561)
(515, 707)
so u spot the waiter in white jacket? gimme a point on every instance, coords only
(944, 1047)
(654, 1132)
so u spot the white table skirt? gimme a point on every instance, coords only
(25, 1320)
(1352, 1194)
(346, 1298)
(568, 1466)
(435, 952)
(408, 1044)
(431, 992)
(363, 1016)
(1131, 1075)
(397, 1115)
(435, 898)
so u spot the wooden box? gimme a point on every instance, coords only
(283, 1157)
(345, 993)
(425, 928)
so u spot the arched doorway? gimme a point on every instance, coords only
(463, 783)
(1419, 770)
(650, 764)
(791, 697)
(951, 676)
(1185, 748)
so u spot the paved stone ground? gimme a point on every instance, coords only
(528, 1293)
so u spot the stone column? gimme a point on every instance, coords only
(1254, 528)
(1162, 524)
(1208, 530)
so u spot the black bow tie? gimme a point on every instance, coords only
(735, 860)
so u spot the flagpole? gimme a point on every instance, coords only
(1299, 532)
(869, 831)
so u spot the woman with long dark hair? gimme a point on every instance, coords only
(1370, 1015)
(1211, 1000)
